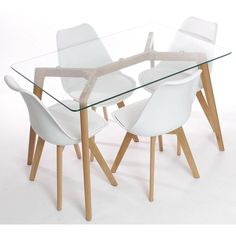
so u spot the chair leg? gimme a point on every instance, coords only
(91, 153)
(77, 150)
(152, 168)
(206, 82)
(59, 178)
(178, 147)
(120, 105)
(37, 156)
(187, 152)
(32, 139)
(94, 149)
(160, 141)
(123, 148)
(105, 113)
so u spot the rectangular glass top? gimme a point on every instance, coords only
(99, 71)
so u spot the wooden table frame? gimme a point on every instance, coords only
(91, 76)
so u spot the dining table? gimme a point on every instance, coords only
(132, 50)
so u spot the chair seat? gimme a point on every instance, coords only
(128, 115)
(70, 121)
(165, 69)
(107, 86)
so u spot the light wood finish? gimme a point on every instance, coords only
(178, 147)
(91, 75)
(59, 177)
(37, 156)
(160, 142)
(149, 43)
(105, 113)
(32, 135)
(135, 138)
(187, 152)
(152, 168)
(120, 104)
(206, 82)
(128, 137)
(150, 47)
(86, 163)
(205, 108)
(94, 149)
(77, 150)
(91, 154)
(31, 147)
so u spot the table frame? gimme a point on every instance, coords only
(149, 54)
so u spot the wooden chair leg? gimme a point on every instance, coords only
(105, 113)
(178, 147)
(120, 105)
(77, 150)
(94, 149)
(91, 153)
(187, 152)
(160, 141)
(206, 82)
(32, 139)
(86, 163)
(152, 168)
(37, 156)
(59, 178)
(123, 148)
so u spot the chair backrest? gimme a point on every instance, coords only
(80, 46)
(197, 29)
(42, 122)
(168, 108)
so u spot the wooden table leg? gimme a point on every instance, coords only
(86, 163)
(206, 82)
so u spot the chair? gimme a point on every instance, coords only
(165, 112)
(80, 46)
(197, 29)
(59, 126)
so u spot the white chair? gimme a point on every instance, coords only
(80, 46)
(196, 29)
(167, 109)
(59, 126)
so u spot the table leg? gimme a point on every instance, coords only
(206, 81)
(86, 163)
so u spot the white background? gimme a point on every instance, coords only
(28, 28)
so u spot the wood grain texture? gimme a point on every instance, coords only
(94, 149)
(128, 137)
(36, 160)
(152, 168)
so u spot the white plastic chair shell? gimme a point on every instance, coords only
(56, 124)
(89, 55)
(199, 31)
(167, 109)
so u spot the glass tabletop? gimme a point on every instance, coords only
(99, 71)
